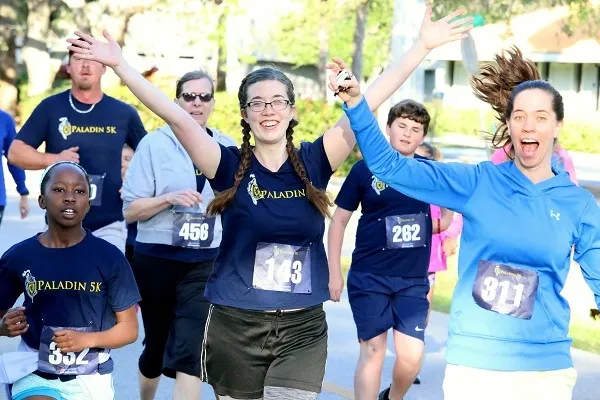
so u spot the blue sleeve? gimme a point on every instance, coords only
(139, 179)
(10, 285)
(17, 173)
(35, 130)
(351, 192)
(228, 165)
(448, 185)
(122, 290)
(315, 155)
(587, 247)
(135, 131)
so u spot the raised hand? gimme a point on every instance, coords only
(350, 88)
(433, 34)
(86, 47)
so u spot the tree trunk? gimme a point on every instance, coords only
(8, 62)
(323, 51)
(35, 53)
(222, 52)
(359, 38)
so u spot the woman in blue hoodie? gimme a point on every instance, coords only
(508, 330)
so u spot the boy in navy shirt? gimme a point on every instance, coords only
(387, 282)
(88, 127)
(79, 303)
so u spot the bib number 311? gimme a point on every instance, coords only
(54, 361)
(506, 290)
(282, 268)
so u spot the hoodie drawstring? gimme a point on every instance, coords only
(274, 325)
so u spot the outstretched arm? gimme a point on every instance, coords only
(448, 185)
(339, 140)
(203, 150)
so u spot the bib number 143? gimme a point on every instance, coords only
(282, 268)
(287, 271)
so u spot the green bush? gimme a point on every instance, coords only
(315, 117)
(577, 134)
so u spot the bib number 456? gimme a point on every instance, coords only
(194, 231)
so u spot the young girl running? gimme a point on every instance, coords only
(266, 335)
(79, 299)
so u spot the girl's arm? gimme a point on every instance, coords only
(203, 150)
(448, 185)
(335, 238)
(339, 140)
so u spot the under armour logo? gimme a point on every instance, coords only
(554, 215)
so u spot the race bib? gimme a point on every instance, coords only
(53, 361)
(282, 268)
(505, 290)
(406, 231)
(96, 189)
(193, 230)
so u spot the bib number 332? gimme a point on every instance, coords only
(506, 290)
(282, 268)
(54, 361)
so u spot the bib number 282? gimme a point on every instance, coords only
(405, 231)
(282, 268)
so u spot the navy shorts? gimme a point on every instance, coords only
(381, 302)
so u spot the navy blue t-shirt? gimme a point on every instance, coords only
(272, 255)
(100, 136)
(396, 247)
(81, 286)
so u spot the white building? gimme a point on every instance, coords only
(570, 63)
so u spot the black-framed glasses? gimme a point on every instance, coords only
(276, 105)
(204, 97)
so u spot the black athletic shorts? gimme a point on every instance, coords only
(244, 351)
(174, 313)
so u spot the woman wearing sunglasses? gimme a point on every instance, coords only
(176, 244)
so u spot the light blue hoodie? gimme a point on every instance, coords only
(524, 230)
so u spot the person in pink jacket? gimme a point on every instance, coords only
(560, 159)
(439, 251)
(443, 244)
